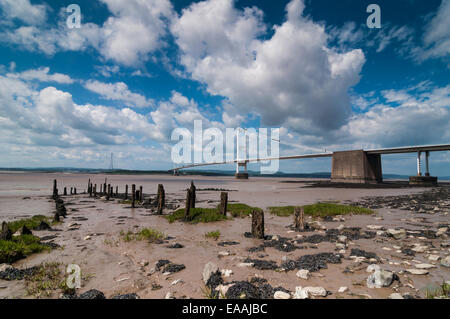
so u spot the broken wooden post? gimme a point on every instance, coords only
(90, 189)
(258, 224)
(126, 191)
(161, 199)
(223, 203)
(299, 219)
(75, 190)
(110, 190)
(65, 191)
(133, 195)
(187, 208)
(5, 233)
(55, 189)
(140, 194)
(137, 195)
(117, 191)
(71, 191)
(95, 190)
(104, 188)
(107, 192)
(192, 200)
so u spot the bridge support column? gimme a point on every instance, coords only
(420, 180)
(356, 167)
(239, 174)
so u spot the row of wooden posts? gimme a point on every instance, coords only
(108, 191)
(257, 215)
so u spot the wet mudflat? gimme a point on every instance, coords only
(406, 236)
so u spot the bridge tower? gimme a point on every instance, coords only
(241, 163)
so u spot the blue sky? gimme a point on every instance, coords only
(136, 70)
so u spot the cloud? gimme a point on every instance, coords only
(290, 77)
(118, 92)
(24, 11)
(42, 74)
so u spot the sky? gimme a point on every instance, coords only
(136, 70)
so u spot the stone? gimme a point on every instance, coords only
(223, 253)
(300, 293)
(242, 265)
(281, 295)
(396, 234)
(92, 294)
(209, 269)
(441, 231)
(419, 248)
(340, 227)
(4, 267)
(316, 291)
(425, 266)
(223, 289)
(395, 295)
(23, 231)
(169, 295)
(372, 268)
(380, 278)
(417, 271)
(303, 274)
(374, 227)
(342, 289)
(342, 239)
(446, 262)
(226, 272)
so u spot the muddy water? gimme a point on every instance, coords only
(114, 266)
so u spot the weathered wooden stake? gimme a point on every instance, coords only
(65, 191)
(71, 191)
(117, 191)
(55, 189)
(75, 190)
(107, 192)
(299, 219)
(133, 195)
(192, 200)
(223, 203)
(126, 191)
(95, 190)
(5, 233)
(258, 224)
(140, 194)
(187, 208)
(161, 199)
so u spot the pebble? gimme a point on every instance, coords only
(303, 274)
(417, 271)
(343, 289)
(281, 295)
(446, 262)
(425, 266)
(395, 295)
(242, 265)
(226, 272)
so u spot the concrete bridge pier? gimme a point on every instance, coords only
(420, 180)
(241, 174)
(357, 167)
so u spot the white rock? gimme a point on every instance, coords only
(169, 295)
(395, 295)
(380, 278)
(374, 227)
(387, 248)
(381, 233)
(275, 237)
(340, 227)
(300, 293)
(417, 271)
(87, 237)
(303, 274)
(242, 265)
(340, 246)
(223, 289)
(441, 231)
(342, 239)
(176, 282)
(226, 272)
(281, 295)
(397, 234)
(316, 291)
(419, 248)
(4, 267)
(445, 261)
(425, 266)
(342, 289)
(223, 253)
(208, 270)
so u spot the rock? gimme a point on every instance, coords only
(242, 265)
(445, 262)
(395, 295)
(5, 233)
(43, 226)
(340, 227)
(374, 227)
(226, 272)
(434, 257)
(126, 296)
(316, 291)
(223, 289)
(281, 295)
(342, 239)
(396, 234)
(303, 274)
(4, 267)
(92, 294)
(209, 269)
(380, 278)
(425, 266)
(300, 293)
(340, 246)
(441, 231)
(372, 268)
(169, 295)
(419, 248)
(342, 289)
(223, 253)
(417, 271)
(23, 231)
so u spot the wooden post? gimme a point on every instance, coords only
(133, 195)
(117, 191)
(110, 190)
(192, 200)
(95, 190)
(104, 188)
(55, 189)
(75, 190)
(65, 191)
(223, 203)
(89, 187)
(71, 191)
(258, 224)
(140, 194)
(107, 192)
(161, 199)
(5, 233)
(126, 191)
(299, 219)
(187, 208)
